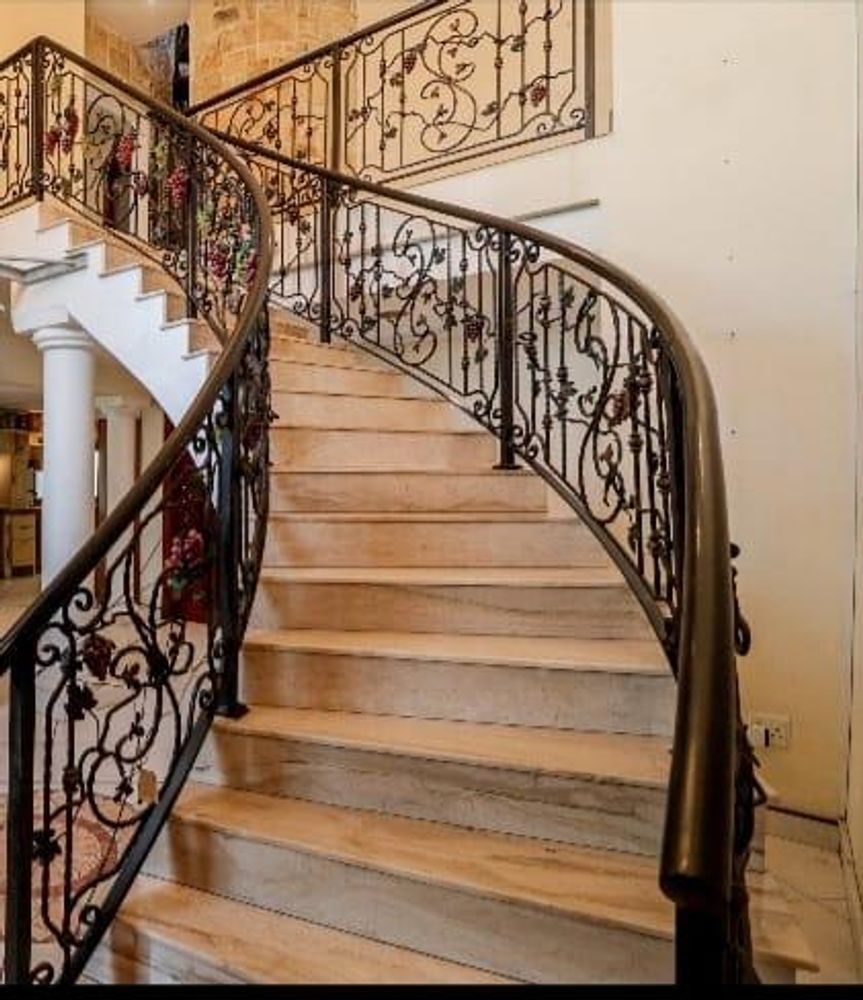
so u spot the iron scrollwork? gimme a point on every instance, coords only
(136, 653)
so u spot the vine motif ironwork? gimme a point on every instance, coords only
(464, 78)
(457, 80)
(131, 664)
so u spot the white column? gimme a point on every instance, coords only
(69, 444)
(152, 439)
(121, 417)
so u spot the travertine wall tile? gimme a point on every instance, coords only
(233, 40)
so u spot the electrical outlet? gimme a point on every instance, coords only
(772, 732)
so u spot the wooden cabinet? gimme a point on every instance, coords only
(19, 541)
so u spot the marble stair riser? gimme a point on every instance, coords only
(406, 491)
(310, 542)
(563, 808)
(328, 449)
(592, 700)
(374, 413)
(588, 612)
(293, 376)
(496, 934)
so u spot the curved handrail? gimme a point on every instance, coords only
(161, 675)
(696, 621)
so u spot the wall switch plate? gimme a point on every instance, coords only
(771, 732)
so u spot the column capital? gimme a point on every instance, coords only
(62, 336)
(121, 406)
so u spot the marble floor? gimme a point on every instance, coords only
(15, 596)
(814, 882)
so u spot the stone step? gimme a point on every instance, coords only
(332, 410)
(296, 376)
(418, 490)
(597, 789)
(429, 540)
(445, 451)
(303, 351)
(588, 603)
(621, 686)
(514, 906)
(173, 934)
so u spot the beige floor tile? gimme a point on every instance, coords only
(813, 882)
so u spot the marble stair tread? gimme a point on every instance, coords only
(263, 947)
(607, 888)
(596, 756)
(482, 576)
(625, 656)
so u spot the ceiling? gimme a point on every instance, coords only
(139, 20)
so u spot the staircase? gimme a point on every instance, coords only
(446, 650)
(128, 304)
(454, 761)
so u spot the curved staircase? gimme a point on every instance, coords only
(429, 638)
(129, 305)
(454, 762)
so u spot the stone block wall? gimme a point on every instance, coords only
(146, 67)
(233, 40)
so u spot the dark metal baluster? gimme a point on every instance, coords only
(465, 357)
(379, 244)
(665, 480)
(192, 228)
(19, 818)
(37, 119)
(590, 68)
(506, 355)
(700, 954)
(230, 555)
(650, 459)
(562, 379)
(326, 259)
(498, 71)
(335, 124)
(547, 420)
(632, 399)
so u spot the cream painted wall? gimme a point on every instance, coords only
(855, 763)
(21, 20)
(729, 185)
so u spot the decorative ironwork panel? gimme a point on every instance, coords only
(290, 115)
(16, 129)
(427, 89)
(473, 76)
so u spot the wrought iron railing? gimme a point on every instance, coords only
(588, 378)
(440, 83)
(113, 686)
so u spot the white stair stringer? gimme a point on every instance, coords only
(144, 330)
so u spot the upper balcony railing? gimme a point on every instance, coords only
(438, 84)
